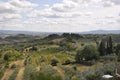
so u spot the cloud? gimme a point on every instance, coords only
(115, 1)
(68, 15)
(65, 6)
(46, 5)
(23, 4)
(13, 8)
(7, 8)
(10, 16)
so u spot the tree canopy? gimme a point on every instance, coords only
(88, 53)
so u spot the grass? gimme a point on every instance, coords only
(1, 73)
(29, 70)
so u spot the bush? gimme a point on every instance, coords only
(68, 61)
(54, 62)
(93, 77)
(46, 73)
(11, 55)
(69, 72)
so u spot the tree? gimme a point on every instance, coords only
(101, 48)
(88, 53)
(117, 49)
(110, 46)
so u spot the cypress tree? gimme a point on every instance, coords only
(102, 48)
(110, 46)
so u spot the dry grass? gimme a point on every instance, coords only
(60, 71)
(7, 74)
(20, 74)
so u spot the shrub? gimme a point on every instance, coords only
(68, 61)
(46, 73)
(54, 62)
(93, 77)
(11, 55)
(43, 76)
(88, 53)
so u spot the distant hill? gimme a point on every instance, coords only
(11, 32)
(102, 32)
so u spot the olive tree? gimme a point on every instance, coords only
(89, 52)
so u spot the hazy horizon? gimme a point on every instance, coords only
(59, 15)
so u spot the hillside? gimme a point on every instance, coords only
(68, 56)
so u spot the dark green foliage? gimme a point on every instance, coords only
(54, 62)
(117, 49)
(102, 48)
(33, 48)
(11, 55)
(118, 57)
(82, 44)
(88, 53)
(106, 47)
(52, 36)
(68, 61)
(110, 46)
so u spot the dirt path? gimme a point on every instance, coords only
(18, 63)
(60, 71)
(21, 71)
(20, 74)
(7, 74)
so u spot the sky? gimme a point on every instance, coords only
(59, 15)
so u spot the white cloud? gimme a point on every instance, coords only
(10, 16)
(69, 15)
(7, 8)
(46, 5)
(13, 8)
(23, 4)
(65, 6)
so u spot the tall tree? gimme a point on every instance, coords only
(110, 45)
(101, 48)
